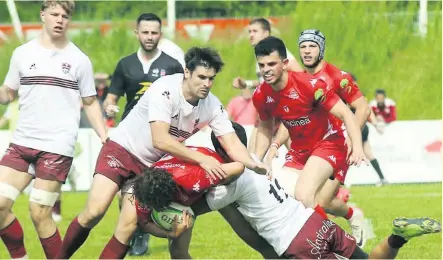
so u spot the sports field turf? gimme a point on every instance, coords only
(213, 238)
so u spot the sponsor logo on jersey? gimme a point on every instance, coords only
(269, 100)
(319, 95)
(293, 94)
(322, 239)
(196, 187)
(155, 72)
(313, 82)
(286, 109)
(297, 122)
(66, 67)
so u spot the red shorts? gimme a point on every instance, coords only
(332, 149)
(48, 166)
(321, 239)
(117, 164)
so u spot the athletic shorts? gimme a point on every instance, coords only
(365, 133)
(332, 149)
(41, 164)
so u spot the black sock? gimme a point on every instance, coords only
(396, 242)
(377, 169)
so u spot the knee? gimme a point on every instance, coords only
(41, 203)
(323, 202)
(305, 197)
(8, 195)
(39, 212)
(91, 215)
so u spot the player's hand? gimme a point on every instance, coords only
(178, 228)
(112, 110)
(357, 156)
(348, 144)
(272, 153)
(239, 83)
(213, 167)
(261, 168)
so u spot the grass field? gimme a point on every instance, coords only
(213, 238)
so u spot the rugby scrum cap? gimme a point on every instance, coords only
(314, 35)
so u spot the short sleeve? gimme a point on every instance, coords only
(323, 97)
(259, 105)
(160, 102)
(348, 88)
(118, 81)
(221, 196)
(85, 79)
(12, 79)
(220, 123)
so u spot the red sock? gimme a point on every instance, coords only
(12, 236)
(51, 245)
(349, 214)
(75, 236)
(321, 211)
(114, 250)
(57, 207)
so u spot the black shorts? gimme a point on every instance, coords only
(365, 133)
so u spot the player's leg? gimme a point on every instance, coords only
(100, 197)
(12, 183)
(404, 229)
(179, 248)
(13, 180)
(126, 225)
(374, 162)
(109, 175)
(337, 207)
(244, 230)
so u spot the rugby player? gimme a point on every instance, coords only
(303, 103)
(52, 77)
(173, 109)
(312, 47)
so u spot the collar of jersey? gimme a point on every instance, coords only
(147, 64)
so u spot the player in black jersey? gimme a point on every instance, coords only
(133, 76)
(136, 72)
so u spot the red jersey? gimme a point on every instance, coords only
(388, 112)
(302, 106)
(341, 83)
(192, 180)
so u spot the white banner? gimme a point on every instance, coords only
(408, 152)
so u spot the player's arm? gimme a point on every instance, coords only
(233, 170)
(280, 138)
(241, 83)
(236, 150)
(90, 102)
(294, 65)
(8, 92)
(264, 137)
(362, 111)
(339, 109)
(177, 228)
(116, 90)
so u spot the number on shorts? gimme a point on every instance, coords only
(277, 192)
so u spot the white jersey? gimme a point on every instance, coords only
(257, 69)
(164, 101)
(50, 85)
(172, 50)
(264, 204)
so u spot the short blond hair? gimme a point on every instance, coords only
(67, 5)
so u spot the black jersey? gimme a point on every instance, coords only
(130, 79)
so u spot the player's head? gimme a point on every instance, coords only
(155, 188)
(202, 65)
(311, 44)
(380, 96)
(149, 31)
(241, 133)
(258, 29)
(55, 16)
(271, 58)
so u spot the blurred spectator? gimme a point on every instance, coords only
(383, 108)
(241, 110)
(101, 86)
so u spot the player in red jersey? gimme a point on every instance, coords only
(172, 179)
(303, 103)
(311, 49)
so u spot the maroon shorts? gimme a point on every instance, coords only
(332, 149)
(117, 164)
(321, 239)
(48, 166)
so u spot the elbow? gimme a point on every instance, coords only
(160, 143)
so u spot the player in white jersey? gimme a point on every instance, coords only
(51, 77)
(173, 109)
(169, 47)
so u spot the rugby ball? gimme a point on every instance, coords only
(165, 218)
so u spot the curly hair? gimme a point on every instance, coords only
(155, 188)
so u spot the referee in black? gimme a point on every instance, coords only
(132, 77)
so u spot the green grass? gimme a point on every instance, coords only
(213, 238)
